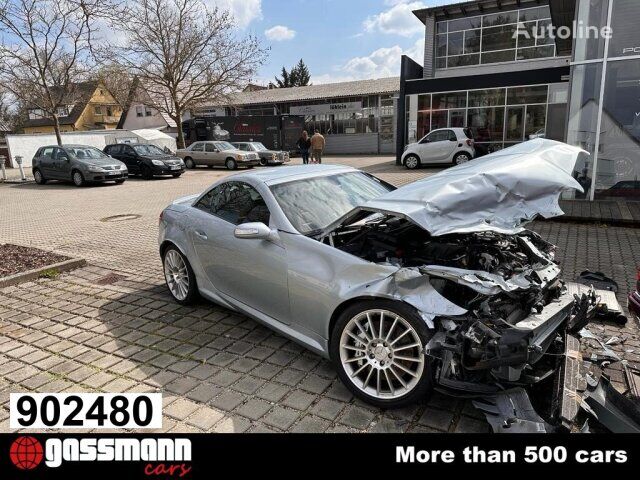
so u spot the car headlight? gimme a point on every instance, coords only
(273, 156)
(159, 163)
(95, 168)
(240, 157)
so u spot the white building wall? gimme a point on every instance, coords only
(133, 122)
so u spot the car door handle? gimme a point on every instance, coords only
(202, 235)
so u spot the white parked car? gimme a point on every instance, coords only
(444, 145)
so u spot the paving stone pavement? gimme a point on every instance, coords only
(218, 371)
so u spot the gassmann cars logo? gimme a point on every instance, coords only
(164, 456)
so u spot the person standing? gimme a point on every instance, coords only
(304, 144)
(317, 147)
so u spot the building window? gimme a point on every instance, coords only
(109, 111)
(494, 38)
(98, 109)
(147, 111)
(139, 111)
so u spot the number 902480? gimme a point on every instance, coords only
(85, 410)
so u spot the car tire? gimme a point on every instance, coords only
(411, 162)
(77, 178)
(461, 157)
(120, 182)
(179, 276)
(231, 164)
(147, 173)
(263, 162)
(38, 177)
(386, 369)
(176, 175)
(189, 163)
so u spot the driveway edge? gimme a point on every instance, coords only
(60, 267)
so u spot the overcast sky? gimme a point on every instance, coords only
(338, 39)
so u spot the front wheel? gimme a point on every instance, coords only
(179, 276)
(189, 163)
(231, 164)
(176, 175)
(78, 178)
(377, 347)
(461, 158)
(412, 162)
(120, 182)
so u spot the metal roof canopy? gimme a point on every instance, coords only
(477, 7)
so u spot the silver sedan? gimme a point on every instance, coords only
(434, 283)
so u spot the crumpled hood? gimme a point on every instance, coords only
(499, 192)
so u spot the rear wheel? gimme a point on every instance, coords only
(461, 158)
(189, 163)
(38, 177)
(78, 178)
(412, 162)
(179, 276)
(377, 346)
(231, 164)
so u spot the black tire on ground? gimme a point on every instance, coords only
(120, 182)
(461, 158)
(411, 162)
(231, 164)
(176, 175)
(422, 389)
(77, 178)
(192, 294)
(263, 162)
(38, 177)
(189, 163)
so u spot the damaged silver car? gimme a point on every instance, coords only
(432, 285)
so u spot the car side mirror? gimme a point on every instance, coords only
(254, 230)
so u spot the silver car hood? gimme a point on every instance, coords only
(499, 192)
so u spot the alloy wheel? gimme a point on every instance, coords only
(411, 162)
(37, 176)
(462, 158)
(77, 179)
(176, 274)
(382, 354)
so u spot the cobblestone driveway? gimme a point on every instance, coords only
(112, 326)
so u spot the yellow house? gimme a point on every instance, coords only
(91, 107)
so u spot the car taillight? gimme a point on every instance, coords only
(470, 142)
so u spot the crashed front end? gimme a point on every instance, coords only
(502, 319)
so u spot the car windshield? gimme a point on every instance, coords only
(86, 152)
(223, 146)
(313, 204)
(259, 147)
(147, 150)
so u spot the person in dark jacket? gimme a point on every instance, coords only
(304, 144)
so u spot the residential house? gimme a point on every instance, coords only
(138, 114)
(91, 107)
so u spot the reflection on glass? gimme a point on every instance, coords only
(439, 119)
(457, 118)
(523, 95)
(487, 98)
(625, 19)
(591, 13)
(618, 167)
(487, 124)
(515, 124)
(535, 121)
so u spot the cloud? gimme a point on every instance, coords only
(383, 62)
(397, 20)
(280, 33)
(244, 11)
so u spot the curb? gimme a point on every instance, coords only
(65, 266)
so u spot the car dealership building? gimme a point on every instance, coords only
(500, 68)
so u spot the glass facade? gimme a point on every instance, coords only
(495, 38)
(497, 117)
(604, 116)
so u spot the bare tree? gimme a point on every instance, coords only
(117, 80)
(184, 54)
(46, 50)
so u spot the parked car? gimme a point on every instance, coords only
(146, 160)
(267, 157)
(79, 164)
(444, 145)
(542, 133)
(217, 154)
(373, 277)
(625, 189)
(634, 298)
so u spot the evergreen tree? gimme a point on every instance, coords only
(298, 76)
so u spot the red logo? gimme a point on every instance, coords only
(26, 453)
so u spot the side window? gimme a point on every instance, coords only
(47, 152)
(197, 147)
(451, 136)
(114, 150)
(235, 202)
(209, 148)
(127, 150)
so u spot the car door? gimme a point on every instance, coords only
(130, 158)
(251, 271)
(47, 166)
(437, 147)
(196, 152)
(62, 162)
(210, 151)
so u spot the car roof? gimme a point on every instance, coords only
(273, 176)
